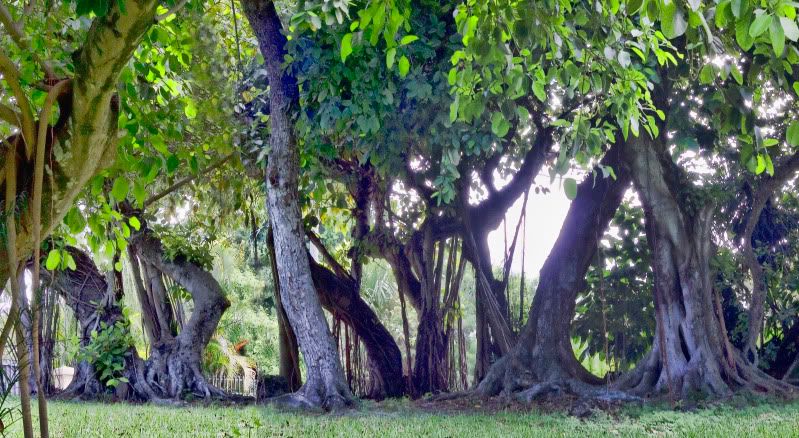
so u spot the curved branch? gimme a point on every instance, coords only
(19, 37)
(9, 115)
(11, 75)
(174, 10)
(489, 213)
(764, 192)
(155, 198)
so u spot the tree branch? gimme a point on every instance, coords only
(19, 37)
(155, 198)
(11, 75)
(339, 270)
(174, 10)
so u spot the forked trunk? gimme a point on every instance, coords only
(174, 366)
(289, 351)
(543, 355)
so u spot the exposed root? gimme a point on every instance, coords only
(302, 401)
(173, 374)
(690, 380)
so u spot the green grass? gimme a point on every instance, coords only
(68, 419)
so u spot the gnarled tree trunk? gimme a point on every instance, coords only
(174, 365)
(325, 385)
(691, 352)
(86, 292)
(543, 355)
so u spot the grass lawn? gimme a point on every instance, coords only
(397, 418)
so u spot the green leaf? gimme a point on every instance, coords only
(390, 54)
(120, 188)
(707, 74)
(75, 221)
(53, 259)
(407, 39)
(118, 266)
(736, 74)
(70, 262)
(404, 66)
(769, 166)
(742, 36)
(452, 76)
(761, 164)
(792, 135)
(190, 109)
(346, 47)
(499, 125)
(790, 29)
(759, 25)
(539, 91)
(139, 192)
(134, 222)
(633, 6)
(738, 7)
(172, 163)
(672, 20)
(777, 37)
(570, 187)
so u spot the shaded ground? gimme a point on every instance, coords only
(402, 418)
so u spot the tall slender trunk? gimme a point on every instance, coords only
(325, 385)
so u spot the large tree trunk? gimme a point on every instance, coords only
(325, 385)
(543, 356)
(174, 365)
(289, 351)
(430, 367)
(340, 297)
(691, 353)
(86, 292)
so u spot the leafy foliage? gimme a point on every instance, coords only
(107, 352)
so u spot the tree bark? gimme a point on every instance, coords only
(325, 385)
(543, 353)
(174, 366)
(784, 171)
(691, 353)
(289, 351)
(85, 291)
(340, 297)
(175, 363)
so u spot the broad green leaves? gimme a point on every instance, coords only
(570, 187)
(120, 188)
(346, 47)
(499, 125)
(404, 66)
(759, 25)
(792, 134)
(59, 259)
(672, 20)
